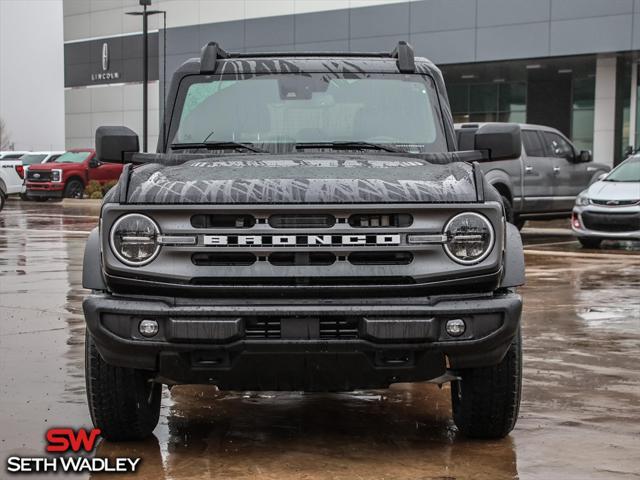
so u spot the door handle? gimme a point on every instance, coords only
(556, 169)
(528, 169)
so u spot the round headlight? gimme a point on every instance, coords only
(134, 239)
(470, 238)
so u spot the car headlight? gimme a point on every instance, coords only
(469, 238)
(134, 239)
(582, 199)
(56, 175)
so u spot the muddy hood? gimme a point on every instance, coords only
(301, 179)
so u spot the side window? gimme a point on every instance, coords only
(557, 146)
(532, 144)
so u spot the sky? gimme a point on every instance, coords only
(32, 73)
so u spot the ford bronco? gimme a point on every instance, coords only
(306, 224)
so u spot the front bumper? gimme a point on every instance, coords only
(44, 189)
(621, 223)
(312, 345)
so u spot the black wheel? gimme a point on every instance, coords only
(74, 189)
(40, 199)
(2, 200)
(589, 242)
(508, 209)
(486, 400)
(124, 403)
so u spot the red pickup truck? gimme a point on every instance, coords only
(69, 175)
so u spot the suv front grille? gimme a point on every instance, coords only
(38, 176)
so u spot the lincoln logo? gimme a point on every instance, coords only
(105, 56)
(300, 240)
(105, 74)
(612, 202)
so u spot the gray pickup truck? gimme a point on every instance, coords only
(545, 181)
(306, 224)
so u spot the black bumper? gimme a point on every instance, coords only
(302, 344)
(44, 193)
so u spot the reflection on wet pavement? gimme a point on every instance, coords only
(580, 416)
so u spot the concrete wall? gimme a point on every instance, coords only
(116, 104)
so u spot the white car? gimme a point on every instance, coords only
(11, 175)
(610, 208)
(33, 158)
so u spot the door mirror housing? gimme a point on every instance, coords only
(584, 156)
(502, 141)
(116, 144)
(94, 162)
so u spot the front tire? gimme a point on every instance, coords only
(486, 401)
(124, 402)
(74, 189)
(590, 242)
(2, 200)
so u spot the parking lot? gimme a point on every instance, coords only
(579, 418)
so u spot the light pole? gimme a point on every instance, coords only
(145, 68)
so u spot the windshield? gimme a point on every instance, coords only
(279, 112)
(628, 171)
(30, 159)
(73, 157)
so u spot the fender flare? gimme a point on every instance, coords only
(513, 275)
(92, 263)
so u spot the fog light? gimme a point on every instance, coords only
(455, 327)
(148, 328)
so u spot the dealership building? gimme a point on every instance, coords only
(570, 64)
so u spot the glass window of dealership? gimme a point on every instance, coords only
(569, 64)
(559, 92)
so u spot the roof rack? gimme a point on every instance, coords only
(403, 53)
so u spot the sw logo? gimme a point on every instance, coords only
(69, 441)
(65, 439)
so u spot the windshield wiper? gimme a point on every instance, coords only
(349, 145)
(222, 145)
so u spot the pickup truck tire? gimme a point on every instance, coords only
(510, 215)
(74, 188)
(590, 242)
(508, 208)
(486, 400)
(124, 403)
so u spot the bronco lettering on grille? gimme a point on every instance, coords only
(300, 240)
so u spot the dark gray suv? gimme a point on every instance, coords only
(307, 224)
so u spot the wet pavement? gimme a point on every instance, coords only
(580, 415)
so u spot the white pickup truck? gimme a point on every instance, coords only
(11, 175)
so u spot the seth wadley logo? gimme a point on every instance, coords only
(106, 61)
(68, 443)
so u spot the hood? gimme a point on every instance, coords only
(303, 179)
(46, 167)
(614, 191)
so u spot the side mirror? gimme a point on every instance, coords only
(94, 162)
(584, 156)
(503, 141)
(602, 176)
(116, 144)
